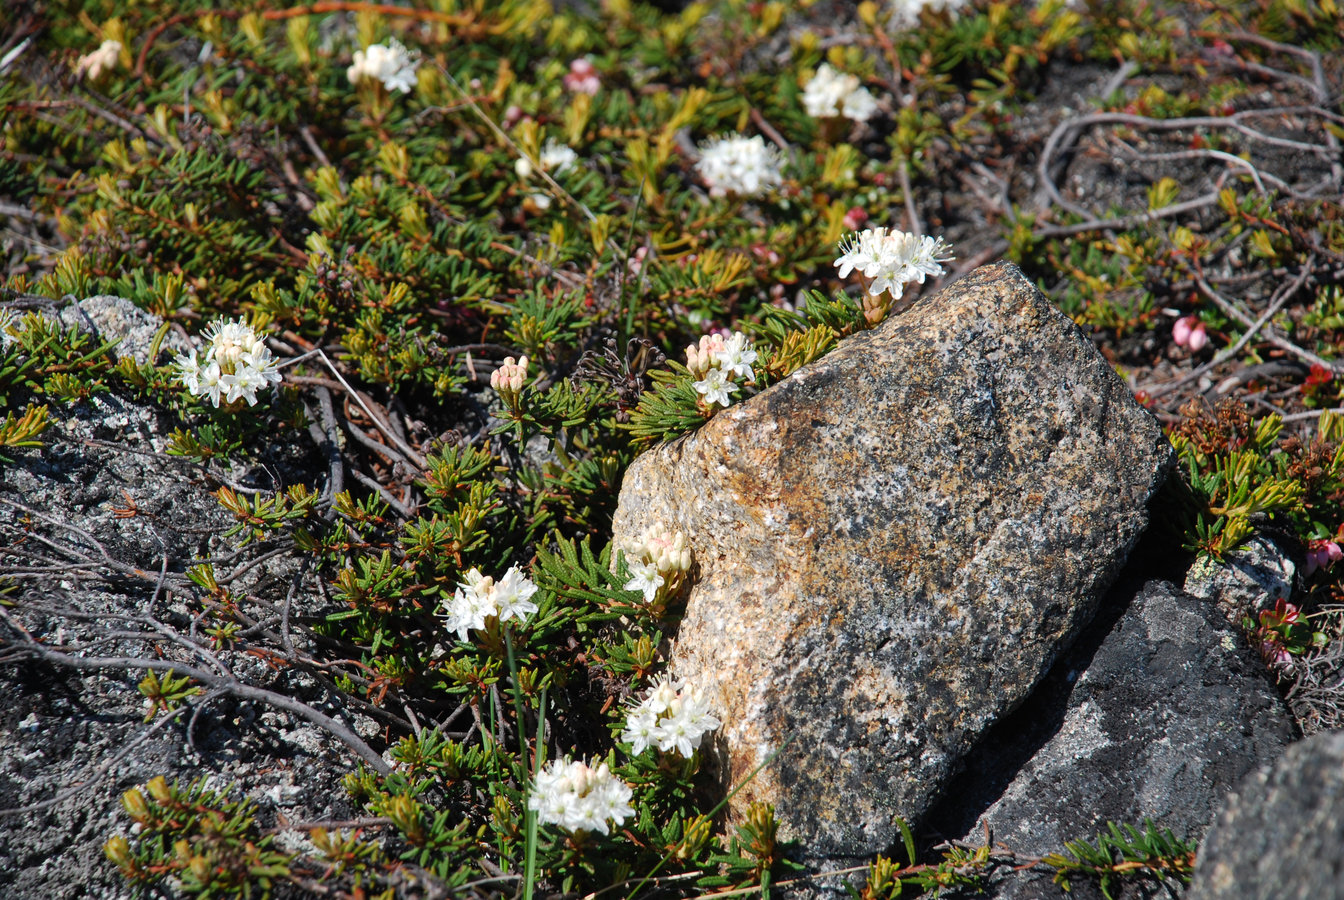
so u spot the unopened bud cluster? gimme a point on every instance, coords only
(508, 381)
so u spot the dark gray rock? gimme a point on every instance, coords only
(1280, 835)
(893, 545)
(1156, 712)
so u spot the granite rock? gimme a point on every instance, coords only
(893, 545)
(1280, 836)
(111, 318)
(1157, 711)
(1249, 579)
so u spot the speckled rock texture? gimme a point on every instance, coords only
(1157, 712)
(72, 742)
(111, 318)
(893, 546)
(1250, 579)
(1281, 834)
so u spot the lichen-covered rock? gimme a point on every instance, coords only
(1156, 712)
(111, 318)
(894, 544)
(1280, 836)
(1249, 579)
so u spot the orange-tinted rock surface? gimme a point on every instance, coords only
(894, 544)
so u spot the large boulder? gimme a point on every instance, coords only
(1157, 712)
(1280, 836)
(893, 546)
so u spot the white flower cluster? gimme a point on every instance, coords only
(746, 166)
(235, 364)
(673, 716)
(890, 260)
(716, 362)
(480, 597)
(835, 93)
(905, 13)
(392, 64)
(658, 563)
(579, 797)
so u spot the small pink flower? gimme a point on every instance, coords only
(765, 254)
(854, 219)
(1322, 555)
(1276, 655)
(582, 77)
(513, 114)
(636, 262)
(1189, 332)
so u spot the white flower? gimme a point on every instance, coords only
(393, 65)
(471, 605)
(106, 57)
(739, 165)
(716, 387)
(481, 598)
(557, 158)
(736, 356)
(641, 730)
(672, 717)
(242, 384)
(210, 382)
(827, 89)
(905, 13)
(235, 364)
(577, 797)
(644, 577)
(891, 260)
(513, 596)
(859, 105)
(834, 93)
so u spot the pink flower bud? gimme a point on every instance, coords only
(855, 218)
(1189, 332)
(636, 262)
(1322, 555)
(582, 77)
(1180, 332)
(699, 359)
(508, 380)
